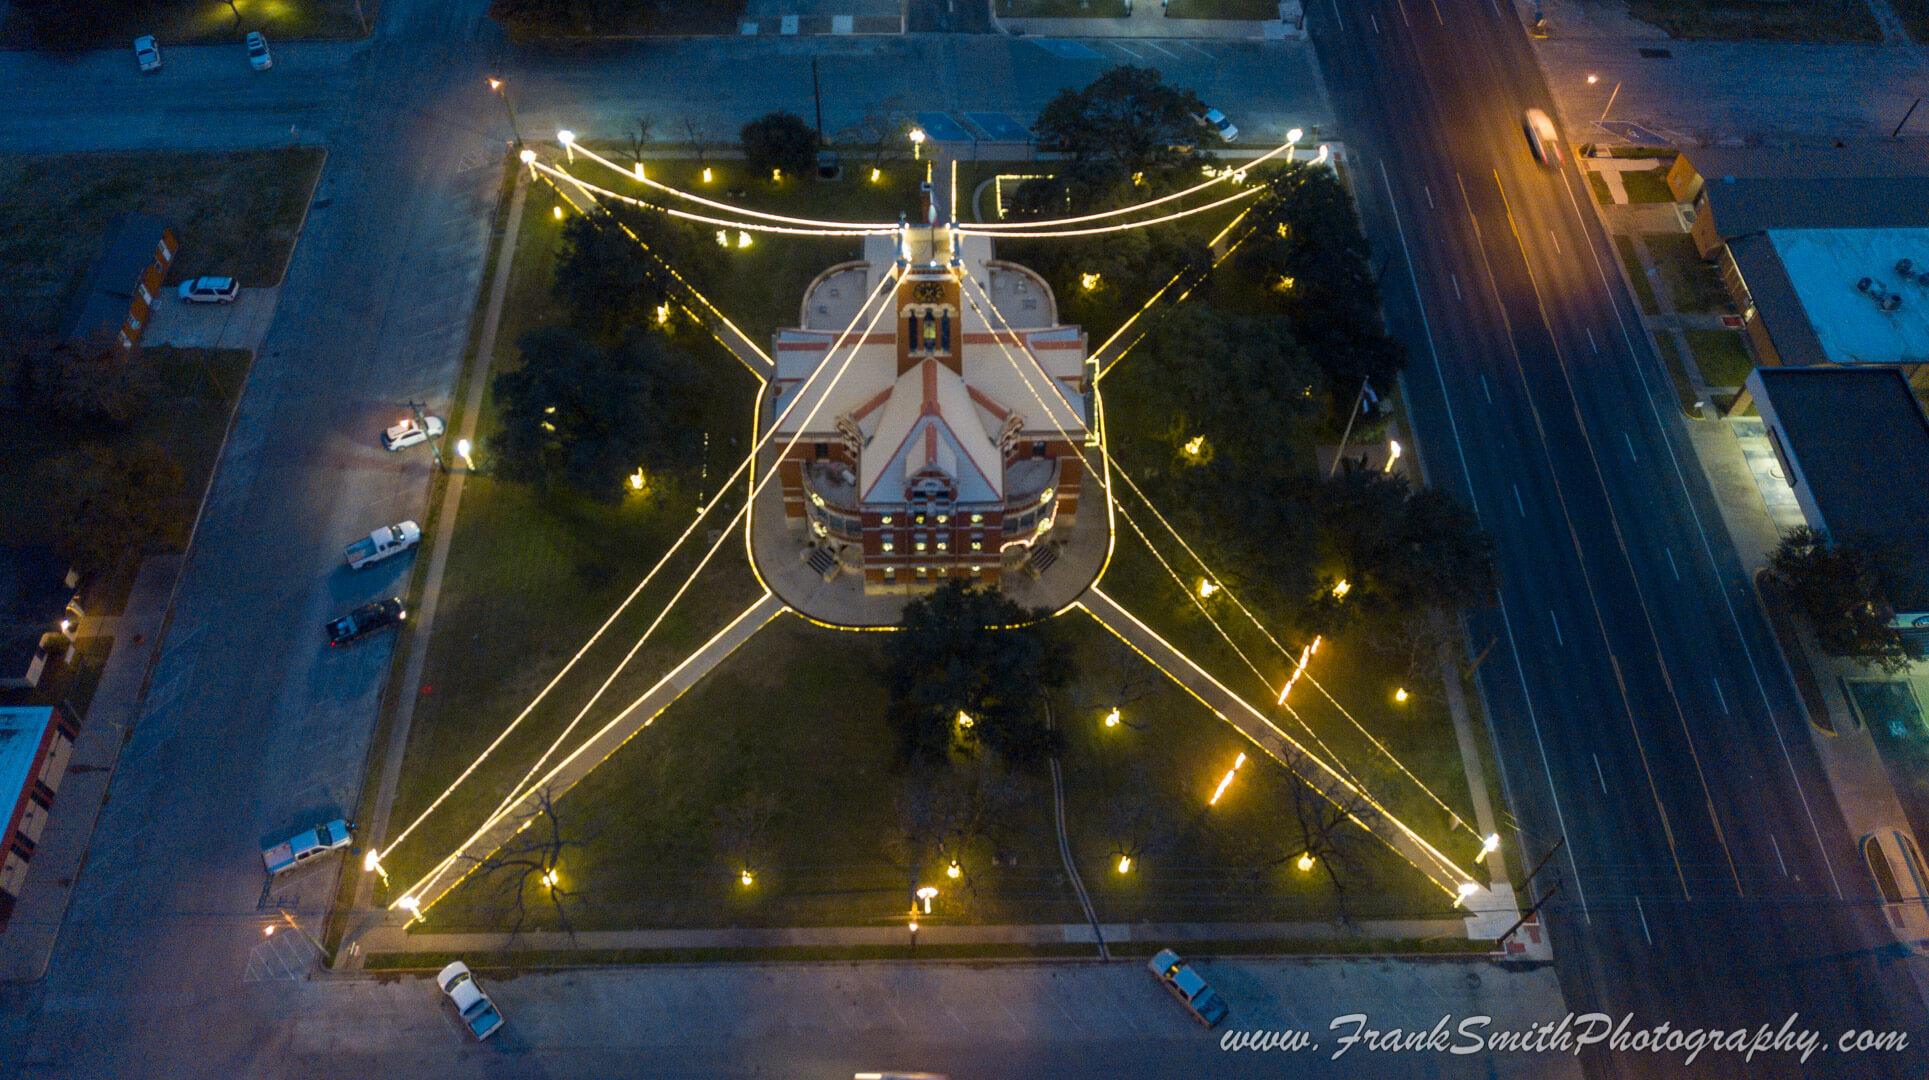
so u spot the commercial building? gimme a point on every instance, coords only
(1854, 445)
(938, 422)
(35, 746)
(124, 281)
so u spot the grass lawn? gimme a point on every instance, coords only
(1636, 274)
(1684, 388)
(1647, 185)
(1262, 10)
(1598, 184)
(1693, 281)
(1061, 9)
(1772, 20)
(235, 213)
(193, 395)
(190, 22)
(1721, 355)
(1915, 16)
(798, 714)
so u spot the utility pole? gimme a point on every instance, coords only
(434, 441)
(501, 90)
(817, 95)
(1905, 118)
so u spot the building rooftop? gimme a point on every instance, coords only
(21, 730)
(1824, 266)
(111, 281)
(1858, 439)
(1870, 185)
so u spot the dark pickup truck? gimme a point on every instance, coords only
(365, 620)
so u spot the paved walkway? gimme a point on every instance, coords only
(1236, 711)
(240, 325)
(394, 939)
(28, 942)
(1147, 20)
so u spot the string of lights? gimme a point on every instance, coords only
(413, 894)
(750, 226)
(1217, 177)
(1122, 227)
(641, 176)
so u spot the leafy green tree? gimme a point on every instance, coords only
(779, 140)
(584, 417)
(114, 503)
(1846, 589)
(1128, 116)
(1397, 549)
(614, 267)
(1241, 382)
(1308, 252)
(975, 652)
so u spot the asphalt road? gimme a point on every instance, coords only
(1642, 714)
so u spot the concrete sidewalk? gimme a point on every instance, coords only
(28, 942)
(1148, 20)
(393, 939)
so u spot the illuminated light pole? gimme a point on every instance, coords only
(925, 894)
(269, 931)
(1292, 139)
(568, 139)
(1591, 80)
(1227, 780)
(502, 91)
(465, 450)
(917, 143)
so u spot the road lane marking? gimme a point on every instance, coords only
(1557, 628)
(1457, 296)
(1518, 503)
(1707, 547)
(1556, 239)
(1127, 51)
(1376, 21)
(1671, 565)
(1778, 854)
(1589, 331)
(1641, 911)
(1597, 773)
(1155, 48)
(1403, 12)
(1632, 456)
(1723, 697)
(1460, 450)
(1198, 50)
(1428, 188)
(1483, 377)
(1620, 541)
(1336, 16)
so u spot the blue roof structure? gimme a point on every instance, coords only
(941, 128)
(998, 127)
(21, 730)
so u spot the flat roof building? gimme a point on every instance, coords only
(35, 745)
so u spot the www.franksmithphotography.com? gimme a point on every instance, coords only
(1571, 1034)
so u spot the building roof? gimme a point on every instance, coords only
(1872, 185)
(111, 281)
(21, 731)
(33, 595)
(1857, 438)
(1774, 296)
(930, 421)
(1825, 267)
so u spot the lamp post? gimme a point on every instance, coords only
(917, 142)
(498, 86)
(269, 931)
(1591, 80)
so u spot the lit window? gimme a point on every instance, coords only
(942, 518)
(977, 544)
(918, 545)
(816, 500)
(977, 519)
(1046, 498)
(887, 519)
(943, 544)
(890, 573)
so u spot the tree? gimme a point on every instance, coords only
(779, 140)
(740, 829)
(1397, 550)
(1324, 836)
(614, 267)
(91, 382)
(1241, 382)
(969, 652)
(113, 503)
(1846, 589)
(585, 417)
(1308, 250)
(531, 861)
(1127, 115)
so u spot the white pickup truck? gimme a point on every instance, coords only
(306, 846)
(383, 542)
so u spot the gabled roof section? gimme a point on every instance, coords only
(930, 420)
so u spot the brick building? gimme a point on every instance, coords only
(944, 442)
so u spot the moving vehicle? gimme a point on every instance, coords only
(1541, 137)
(1217, 121)
(365, 620)
(1185, 984)
(210, 290)
(477, 1010)
(147, 53)
(258, 57)
(408, 433)
(383, 542)
(306, 846)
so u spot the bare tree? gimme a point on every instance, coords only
(1321, 833)
(1119, 677)
(639, 135)
(529, 861)
(740, 828)
(694, 130)
(942, 813)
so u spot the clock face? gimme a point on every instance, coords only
(927, 292)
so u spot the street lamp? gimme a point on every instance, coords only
(463, 449)
(917, 142)
(497, 85)
(1591, 80)
(269, 931)
(1292, 140)
(568, 139)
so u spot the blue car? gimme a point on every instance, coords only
(1185, 984)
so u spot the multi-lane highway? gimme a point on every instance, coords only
(1643, 716)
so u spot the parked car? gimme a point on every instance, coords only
(1899, 875)
(1541, 137)
(147, 53)
(258, 57)
(408, 433)
(1217, 121)
(210, 290)
(365, 620)
(477, 1011)
(1185, 984)
(306, 846)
